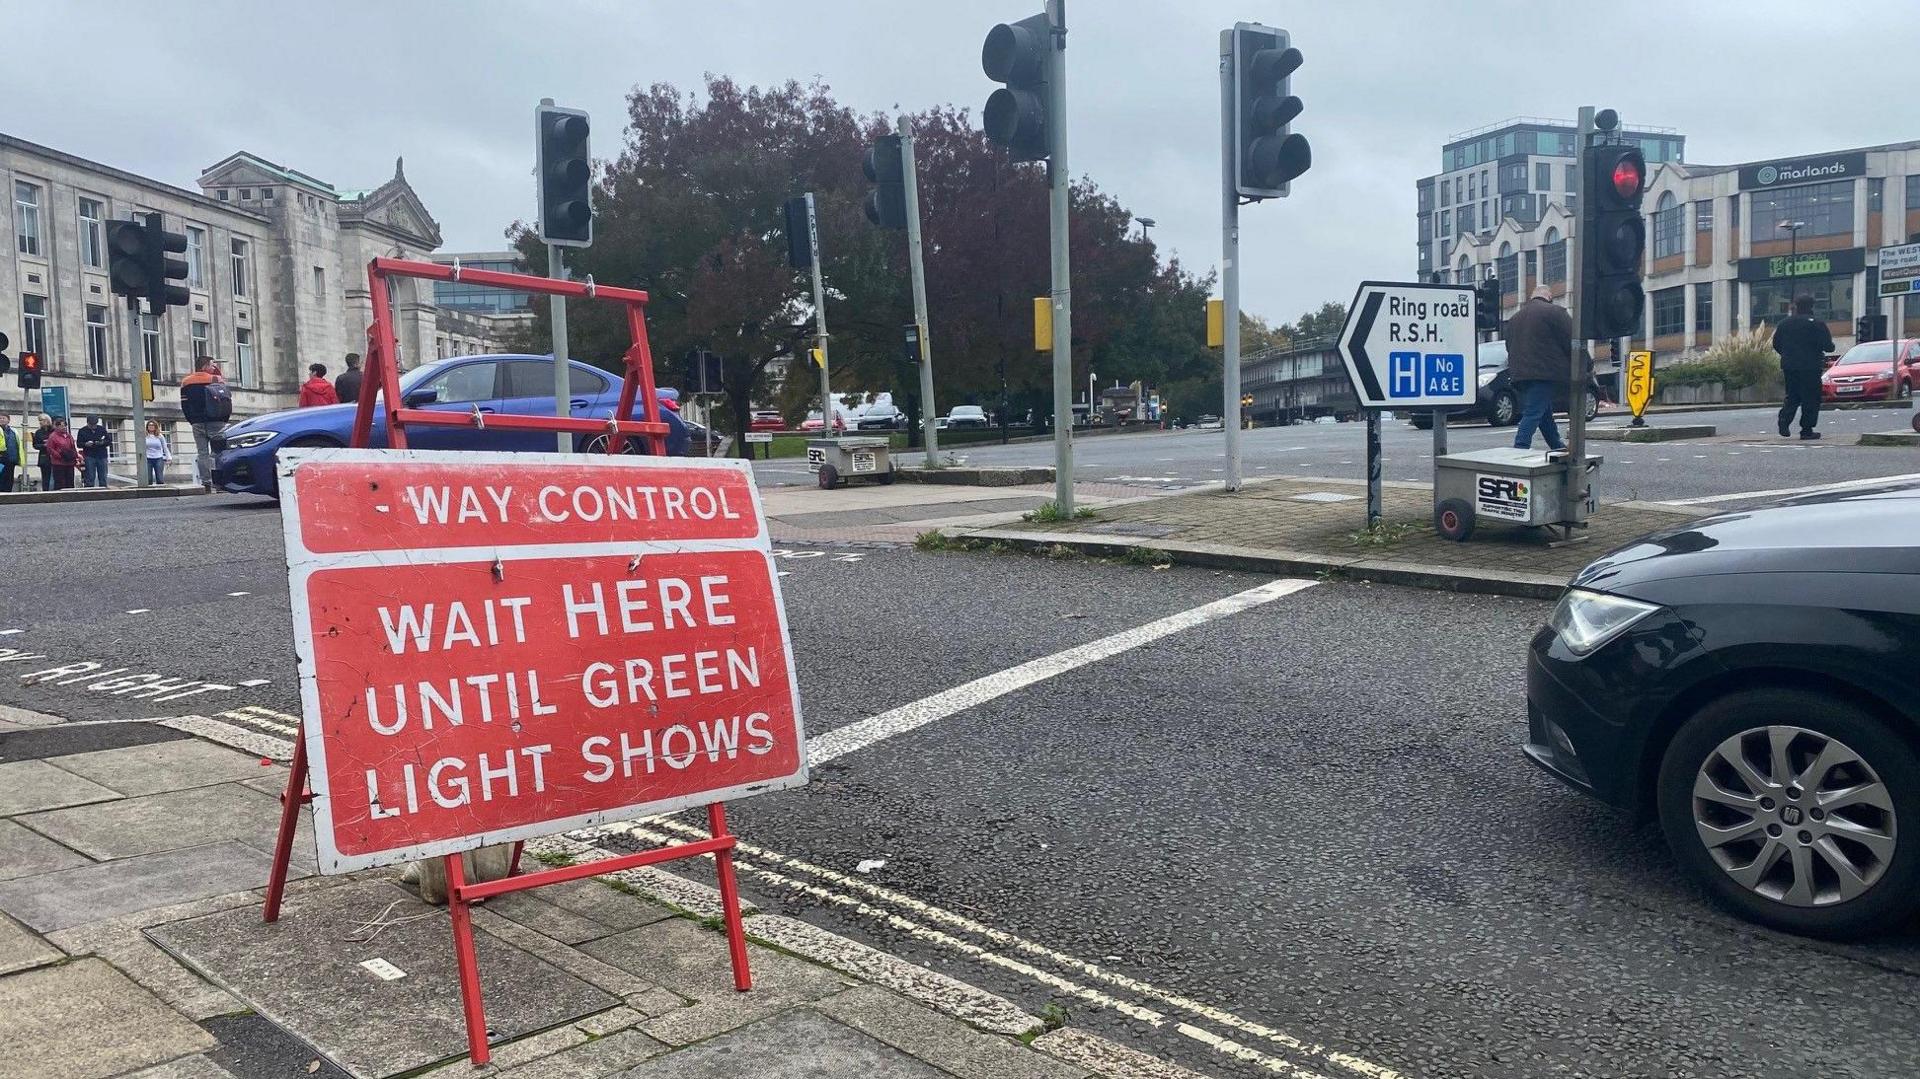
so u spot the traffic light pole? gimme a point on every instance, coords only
(910, 182)
(1060, 181)
(820, 321)
(1230, 270)
(1573, 503)
(557, 305)
(136, 363)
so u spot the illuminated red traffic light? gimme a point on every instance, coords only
(1628, 177)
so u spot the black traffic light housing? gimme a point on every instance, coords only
(886, 170)
(6, 364)
(1866, 328)
(1016, 116)
(1613, 238)
(1265, 155)
(141, 266)
(30, 370)
(799, 232)
(1486, 305)
(566, 176)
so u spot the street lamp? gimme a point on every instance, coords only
(1145, 224)
(1793, 256)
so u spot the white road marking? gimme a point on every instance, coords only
(253, 682)
(1818, 488)
(10, 632)
(230, 594)
(141, 610)
(822, 748)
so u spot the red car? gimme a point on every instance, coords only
(767, 420)
(1870, 372)
(812, 422)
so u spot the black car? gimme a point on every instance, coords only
(1749, 680)
(1496, 401)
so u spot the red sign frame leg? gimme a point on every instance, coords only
(636, 386)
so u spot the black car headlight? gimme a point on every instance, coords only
(1586, 620)
(251, 439)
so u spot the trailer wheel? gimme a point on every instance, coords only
(1453, 519)
(829, 477)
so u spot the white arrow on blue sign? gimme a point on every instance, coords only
(1411, 345)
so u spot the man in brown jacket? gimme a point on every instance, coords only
(1539, 358)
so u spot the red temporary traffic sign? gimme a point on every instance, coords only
(501, 646)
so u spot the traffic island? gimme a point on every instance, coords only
(1670, 433)
(101, 494)
(968, 476)
(1890, 438)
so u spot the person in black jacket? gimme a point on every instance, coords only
(1803, 343)
(1539, 361)
(347, 385)
(94, 438)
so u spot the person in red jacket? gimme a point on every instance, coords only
(317, 390)
(64, 454)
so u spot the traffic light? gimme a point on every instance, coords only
(886, 170)
(6, 363)
(799, 233)
(140, 265)
(1016, 115)
(29, 370)
(1265, 156)
(1246, 400)
(566, 176)
(1486, 304)
(1865, 328)
(1612, 237)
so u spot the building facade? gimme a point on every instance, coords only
(479, 318)
(276, 274)
(1298, 383)
(1730, 246)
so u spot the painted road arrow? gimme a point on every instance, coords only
(1411, 345)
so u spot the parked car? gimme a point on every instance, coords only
(812, 422)
(1496, 401)
(703, 441)
(1748, 680)
(767, 419)
(964, 416)
(1870, 371)
(882, 418)
(511, 384)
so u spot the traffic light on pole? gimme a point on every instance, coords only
(29, 370)
(141, 266)
(566, 176)
(1612, 237)
(1486, 304)
(1016, 115)
(885, 169)
(6, 364)
(1265, 155)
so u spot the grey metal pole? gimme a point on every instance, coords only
(1373, 468)
(137, 363)
(1439, 434)
(820, 321)
(911, 176)
(557, 269)
(1060, 181)
(1230, 272)
(1573, 507)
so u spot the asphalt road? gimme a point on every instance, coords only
(1295, 836)
(1651, 472)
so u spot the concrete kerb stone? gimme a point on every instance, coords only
(969, 476)
(1890, 438)
(1674, 433)
(100, 494)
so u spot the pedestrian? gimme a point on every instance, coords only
(94, 440)
(64, 455)
(347, 386)
(44, 461)
(1539, 358)
(206, 403)
(1803, 343)
(158, 453)
(316, 390)
(12, 452)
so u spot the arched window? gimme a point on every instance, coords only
(1669, 221)
(1553, 258)
(1464, 275)
(1507, 269)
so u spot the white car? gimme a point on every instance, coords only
(964, 416)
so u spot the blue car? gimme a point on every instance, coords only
(502, 384)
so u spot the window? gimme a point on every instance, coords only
(196, 256)
(1486, 217)
(440, 346)
(1669, 219)
(1457, 188)
(93, 238)
(1464, 275)
(1466, 219)
(202, 335)
(1703, 309)
(26, 217)
(1445, 190)
(1703, 216)
(1570, 179)
(1826, 209)
(465, 383)
(1543, 176)
(267, 193)
(240, 251)
(96, 339)
(529, 378)
(223, 195)
(1553, 258)
(1913, 192)
(320, 283)
(1669, 311)
(246, 194)
(1771, 301)
(33, 324)
(1446, 223)
(242, 355)
(1876, 193)
(150, 343)
(1733, 215)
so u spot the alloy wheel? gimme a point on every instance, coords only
(1794, 816)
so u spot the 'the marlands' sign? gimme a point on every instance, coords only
(1803, 170)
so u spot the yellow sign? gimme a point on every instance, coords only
(1042, 324)
(814, 358)
(1216, 322)
(1639, 381)
(146, 385)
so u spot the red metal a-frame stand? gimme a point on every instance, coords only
(382, 379)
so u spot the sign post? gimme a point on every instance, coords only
(1899, 278)
(1408, 345)
(1639, 384)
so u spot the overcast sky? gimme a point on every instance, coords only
(338, 90)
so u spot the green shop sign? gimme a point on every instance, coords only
(1801, 266)
(1812, 264)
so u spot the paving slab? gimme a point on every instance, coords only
(947, 1043)
(25, 852)
(305, 974)
(196, 1066)
(86, 1020)
(20, 949)
(597, 1058)
(169, 821)
(162, 766)
(96, 893)
(12, 718)
(549, 919)
(30, 786)
(800, 1044)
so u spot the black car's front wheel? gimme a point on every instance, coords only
(1504, 409)
(1787, 806)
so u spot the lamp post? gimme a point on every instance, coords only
(1145, 224)
(1793, 243)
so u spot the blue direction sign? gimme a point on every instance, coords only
(53, 402)
(1411, 345)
